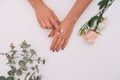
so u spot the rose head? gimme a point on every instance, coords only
(90, 36)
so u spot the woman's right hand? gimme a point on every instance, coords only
(45, 16)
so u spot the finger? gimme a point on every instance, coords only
(65, 43)
(48, 23)
(55, 24)
(55, 17)
(41, 23)
(52, 33)
(60, 45)
(57, 43)
(54, 42)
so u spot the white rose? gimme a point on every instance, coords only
(105, 20)
(103, 24)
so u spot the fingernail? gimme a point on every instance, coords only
(48, 35)
(51, 49)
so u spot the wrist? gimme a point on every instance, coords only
(70, 21)
(35, 3)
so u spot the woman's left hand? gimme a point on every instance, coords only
(60, 39)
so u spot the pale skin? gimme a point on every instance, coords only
(60, 40)
(45, 16)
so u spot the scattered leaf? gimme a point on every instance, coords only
(19, 72)
(22, 63)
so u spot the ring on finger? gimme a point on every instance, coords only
(60, 32)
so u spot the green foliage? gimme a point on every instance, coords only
(92, 24)
(104, 3)
(2, 78)
(10, 78)
(20, 64)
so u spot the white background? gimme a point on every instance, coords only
(79, 60)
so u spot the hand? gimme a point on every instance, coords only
(45, 16)
(60, 40)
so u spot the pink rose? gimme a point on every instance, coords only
(90, 36)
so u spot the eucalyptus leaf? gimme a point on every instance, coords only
(9, 61)
(10, 78)
(32, 51)
(2, 78)
(22, 63)
(38, 77)
(30, 78)
(27, 74)
(13, 68)
(39, 60)
(19, 72)
(12, 47)
(37, 69)
(24, 51)
(20, 66)
(43, 61)
(25, 58)
(33, 68)
(24, 45)
(24, 68)
(8, 57)
(11, 73)
(30, 61)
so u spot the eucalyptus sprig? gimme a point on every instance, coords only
(93, 23)
(20, 64)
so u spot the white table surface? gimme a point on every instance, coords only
(79, 60)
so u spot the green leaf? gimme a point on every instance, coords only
(33, 68)
(36, 66)
(38, 77)
(24, 51)
(24, 68)
(12, 47)
(11, 73)
(27, 74)
(10, 78)
(2, 78)
(30, 78)
(101, 4)
(30, 61)
(8, 57)
(13, 68)
(38, 60)
(32, 51)
(43, 61)
(19, 72)
(25, 58)
(92, 21)
(22, 63)
(24, 45)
